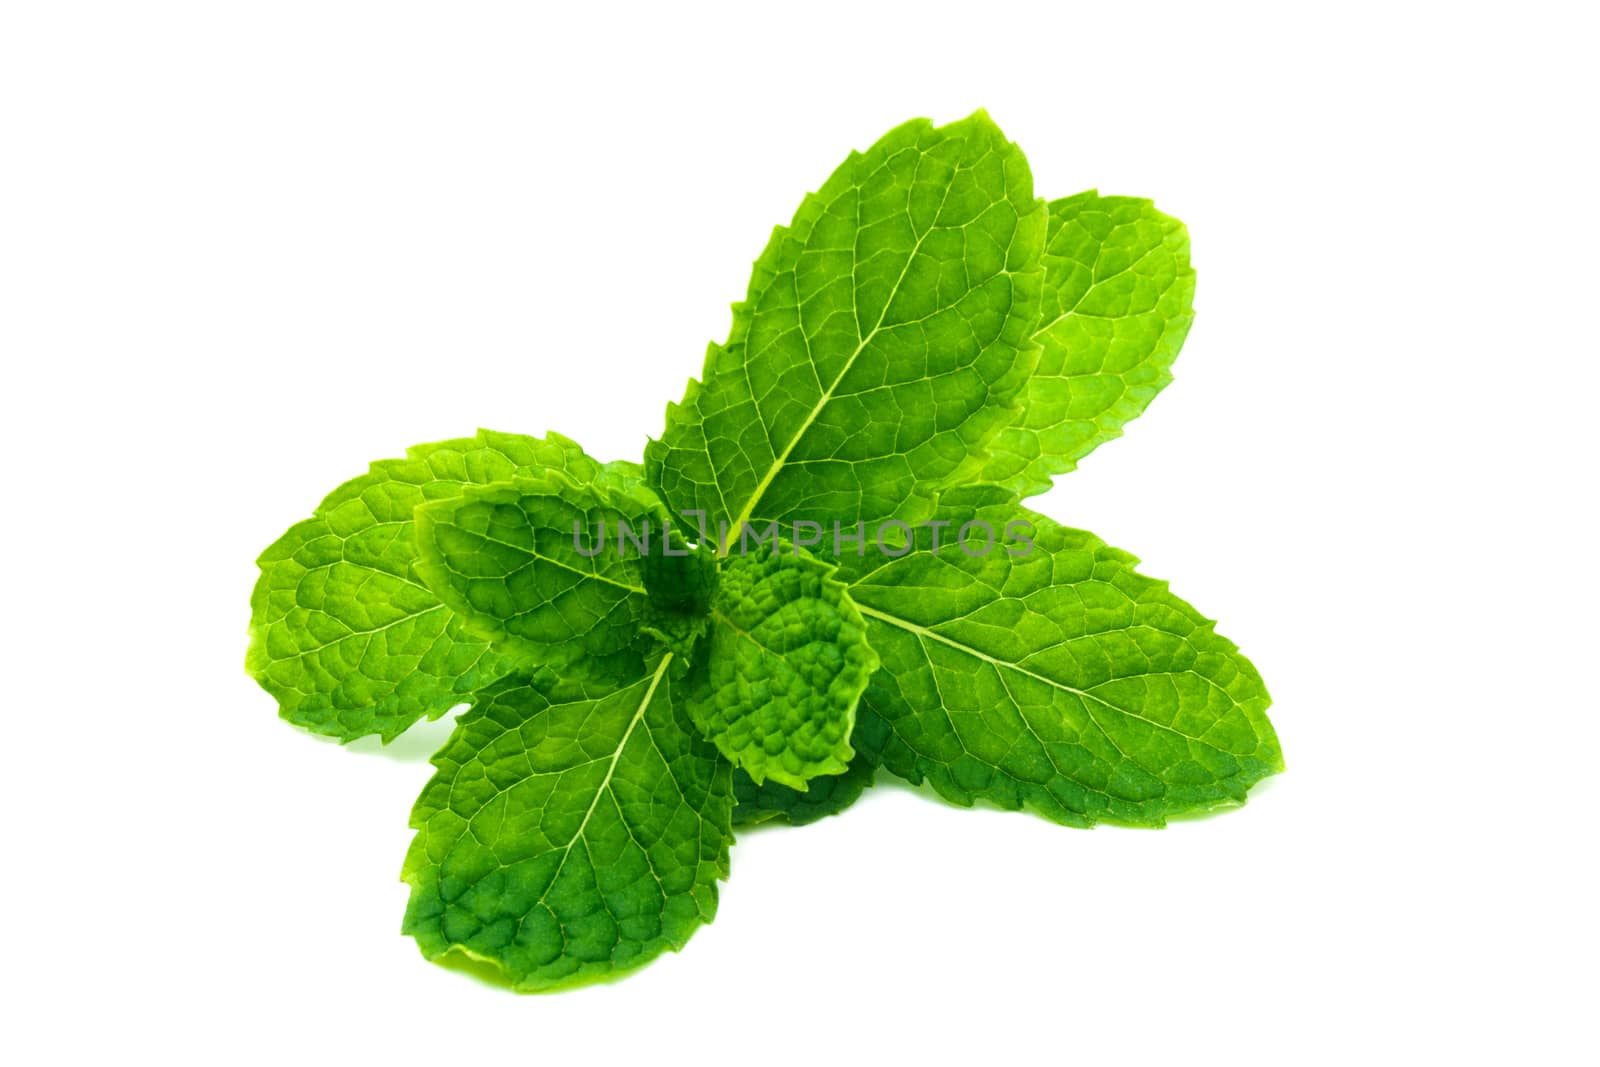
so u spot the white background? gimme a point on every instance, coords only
(244, 249)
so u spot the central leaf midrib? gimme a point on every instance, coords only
(997, 663)
(538, 558)
(827, 395)
(605, 783)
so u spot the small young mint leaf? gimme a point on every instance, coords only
(682, 578)
(681, 584)
(786, 662)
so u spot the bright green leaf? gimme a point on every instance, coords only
(1060, 680)
(1118, 301)
(542, 567)
(884, 335)
(343, 632)
(786, 662)
(573, 832)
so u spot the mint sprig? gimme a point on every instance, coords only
(823, 569)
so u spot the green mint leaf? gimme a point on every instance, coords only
(574, 831)
(625, 473)
(542, 567)
(1062, 681)
(343, 632)
(825, 795)
(786, 663)
(1118, 301)
(884, 335)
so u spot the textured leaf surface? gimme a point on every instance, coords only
(771, 802)
(574, 831)
(787, 661)
(1062, 681)
(343, 632)
(506, 558)
(1118, 302)
(885, 332)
